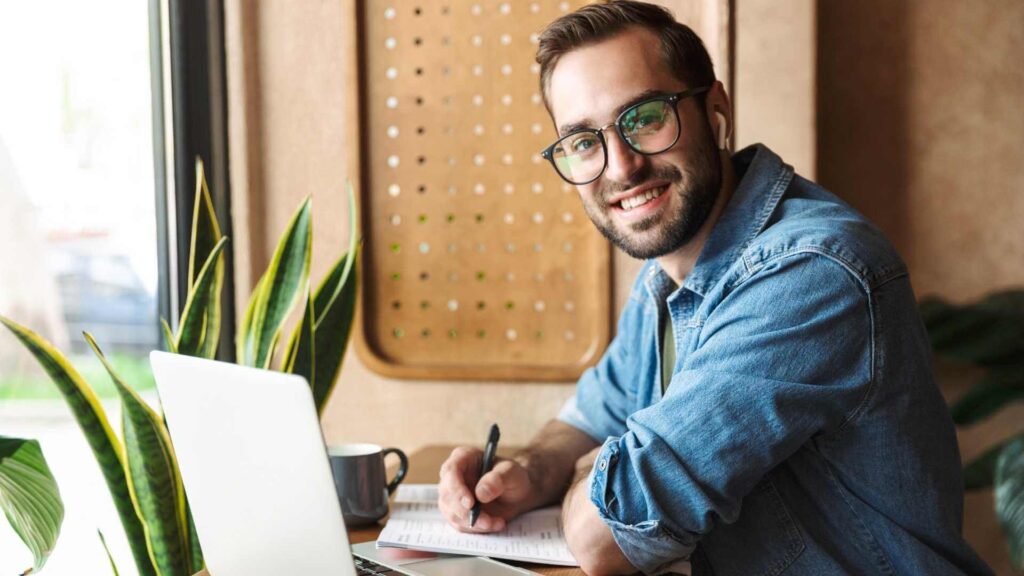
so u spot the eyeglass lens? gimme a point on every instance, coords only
(649, 128)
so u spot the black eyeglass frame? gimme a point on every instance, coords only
(673, 99)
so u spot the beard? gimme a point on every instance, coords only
(664, 233)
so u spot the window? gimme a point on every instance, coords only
(90, 236)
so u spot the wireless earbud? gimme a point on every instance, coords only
(722, 135)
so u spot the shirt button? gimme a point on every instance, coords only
(602, 465)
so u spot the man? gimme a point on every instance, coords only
(767, 405)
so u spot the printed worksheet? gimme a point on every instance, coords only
(416, 523)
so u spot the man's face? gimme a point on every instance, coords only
(592, 85)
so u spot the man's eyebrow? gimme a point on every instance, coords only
(646, 94)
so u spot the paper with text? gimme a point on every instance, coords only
(416, 523)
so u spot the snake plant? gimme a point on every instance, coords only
(989, 334)
(140, 467)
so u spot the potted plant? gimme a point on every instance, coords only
(988, 334)
(140, 467)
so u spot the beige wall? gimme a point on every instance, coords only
(921, 126)
(774, 98)
(912, 111)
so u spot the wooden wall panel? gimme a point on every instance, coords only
(479, 261)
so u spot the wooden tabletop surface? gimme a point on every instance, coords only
(423, 468)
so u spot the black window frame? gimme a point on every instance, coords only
(193, 50)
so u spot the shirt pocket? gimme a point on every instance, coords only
(763, 541)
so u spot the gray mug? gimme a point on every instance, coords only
(360, 481)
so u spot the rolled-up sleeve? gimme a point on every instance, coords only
(784, 357)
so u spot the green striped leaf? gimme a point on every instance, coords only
(205, 229)
(994, 391)
(280, 289)
(989, 332)
(319, 358)
(206, 236)
(195, 337)
(110, 557)
(1009, 492)
(29, 497)
(244, 339)
(335, 301)
(935, 312)
(336, 297)
(272, 351)
(169, 338)
(980, 473)
(299, 353)
(91, 418)
(196, 559)
(347, 260)
(153, 478)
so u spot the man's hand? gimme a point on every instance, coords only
(504, 492)
(536, 476)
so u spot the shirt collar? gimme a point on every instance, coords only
(763, 179)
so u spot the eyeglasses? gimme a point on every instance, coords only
(649, 127)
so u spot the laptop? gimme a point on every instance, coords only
(259, 482)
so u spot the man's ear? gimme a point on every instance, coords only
(718, 101)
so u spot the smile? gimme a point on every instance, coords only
(641, 199)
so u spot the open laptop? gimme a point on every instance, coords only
(258, 480)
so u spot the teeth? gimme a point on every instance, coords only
(641, 199)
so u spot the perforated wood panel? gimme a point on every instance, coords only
(479, 261)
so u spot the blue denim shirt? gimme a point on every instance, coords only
(802, 431)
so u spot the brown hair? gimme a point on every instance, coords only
(682, 48)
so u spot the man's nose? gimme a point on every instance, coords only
(623, 161)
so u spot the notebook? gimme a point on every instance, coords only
(416, 523)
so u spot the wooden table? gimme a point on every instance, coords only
(423, 469)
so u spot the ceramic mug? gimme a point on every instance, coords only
(361, 482)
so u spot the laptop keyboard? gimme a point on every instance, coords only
(365, 567)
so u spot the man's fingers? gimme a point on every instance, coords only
(459, 490)
(450, 504)
(453, 514)
(458, 472)
(503, 479)
(485, 523)
(458, 517)
(490, 487)
(453, 490)
(461, 461)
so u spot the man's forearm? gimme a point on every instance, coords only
(550, 460)
(589, 539)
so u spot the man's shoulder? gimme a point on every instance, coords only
(811, 220)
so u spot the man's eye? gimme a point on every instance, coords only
(583, 144)
(648, 120)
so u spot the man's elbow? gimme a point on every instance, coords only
(600, 567)
(594, 548)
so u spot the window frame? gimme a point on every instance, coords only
(187, 63)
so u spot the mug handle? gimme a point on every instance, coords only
(403, 467)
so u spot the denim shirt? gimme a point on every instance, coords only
(802, 431)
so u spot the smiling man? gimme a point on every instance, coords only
(767, 405)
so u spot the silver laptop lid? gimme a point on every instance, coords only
(255, 469)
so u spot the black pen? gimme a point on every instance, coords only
(485, 467)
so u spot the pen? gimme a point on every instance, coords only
(485, 467)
